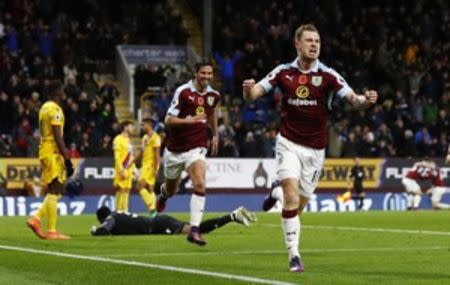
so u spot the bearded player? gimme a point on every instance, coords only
(191, 112)
(149, 153)
(308, 88)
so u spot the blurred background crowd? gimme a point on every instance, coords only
(73, 41)
(400, 48)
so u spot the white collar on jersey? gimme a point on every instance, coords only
(315, 67)
(193, 89)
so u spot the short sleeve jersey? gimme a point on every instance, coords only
(188, 102)
(50, 115)
(306, 101)
(123, 152)
(148, 146)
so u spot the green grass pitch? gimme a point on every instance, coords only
(337, 248)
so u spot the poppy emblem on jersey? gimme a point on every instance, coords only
(302, 79)
(200, 101)
(200, 110)
(210, 100)
(316, 80)
(302, 92)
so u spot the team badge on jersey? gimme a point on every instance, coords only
(271, 76)
(316, 80)
(210, 100)
(302, 92)
(302, 79)
(200, 101)
(200, 110)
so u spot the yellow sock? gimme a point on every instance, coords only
(119, 201)
(42, 211)
(149, 199)
(52, 211)
(125, 196)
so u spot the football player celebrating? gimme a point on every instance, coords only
(300, 149)
(191, 111)
(437, 190)
(422, 170)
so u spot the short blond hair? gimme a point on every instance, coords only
(303, 28)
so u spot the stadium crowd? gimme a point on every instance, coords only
(400, 48)
(74, 42)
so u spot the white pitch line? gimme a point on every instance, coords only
(263, 252)
(147, 265)
(362, 229)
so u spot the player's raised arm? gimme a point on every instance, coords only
(343, 90)
(251, 90)
(365, 100)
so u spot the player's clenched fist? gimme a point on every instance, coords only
(247, 86)
(371, 96)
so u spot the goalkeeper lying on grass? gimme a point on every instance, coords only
(113, 223)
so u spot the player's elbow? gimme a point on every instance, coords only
(168, 120)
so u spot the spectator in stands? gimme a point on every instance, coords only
(33, 142)
(73, 151)
(89, 85)
(108, 93)
(106, 147)
(350, 146)
(85, 146)
(250, 147)
(227, 64)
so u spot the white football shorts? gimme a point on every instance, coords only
(411, 186)
(176, 162)
(437, 192)
(299, 162)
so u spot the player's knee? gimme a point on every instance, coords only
(291, 197)
(199, 185)
(170, 187)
